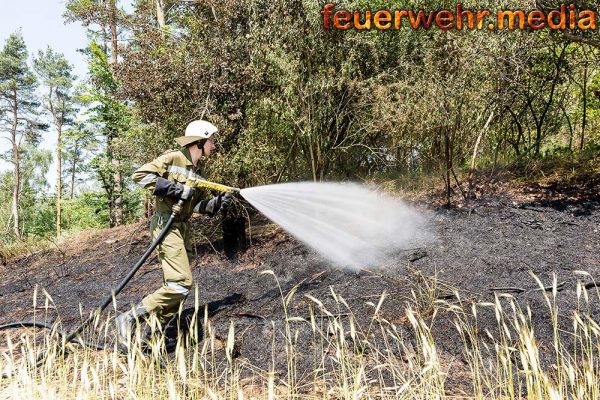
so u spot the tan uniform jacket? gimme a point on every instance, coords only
(176, 166)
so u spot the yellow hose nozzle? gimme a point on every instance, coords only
(200, 183)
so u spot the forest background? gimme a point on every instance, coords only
(400, 109)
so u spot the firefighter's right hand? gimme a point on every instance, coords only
(187, 192)
(176, 190)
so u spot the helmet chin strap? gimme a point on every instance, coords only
(201, 145)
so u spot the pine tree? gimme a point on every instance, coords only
(56, 74)
(108, 17)
(78, 142)
(19, 110)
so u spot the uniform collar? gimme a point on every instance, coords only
(188, 156)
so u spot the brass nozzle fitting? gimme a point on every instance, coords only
(177, 207)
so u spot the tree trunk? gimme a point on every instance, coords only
(112, 21)
(539, 122)
(313, 161)
(562, 107)
(448, 165)
(584, 117)
(15, 198)
(58, 180)
(73, 167)
(17, 175)
(58, 116)
(472, 169)
(520, 134)
(538, 140)
(117, 201)
(104, 25)
(496, 151)
(117, 193)
(160, 16)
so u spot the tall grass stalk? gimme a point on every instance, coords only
(500, 352)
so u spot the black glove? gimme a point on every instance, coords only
(226, 200)
(175, 190)
(213, 205)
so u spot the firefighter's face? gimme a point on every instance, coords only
(209, 147)
(197, 150)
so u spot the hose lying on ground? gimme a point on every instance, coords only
(72, 337)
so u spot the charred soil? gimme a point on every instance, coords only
(491, 245)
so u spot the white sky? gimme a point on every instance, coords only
(42, 24)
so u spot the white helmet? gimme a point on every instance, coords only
(196, 131)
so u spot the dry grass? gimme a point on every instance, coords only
(377, 360)
(23, 247)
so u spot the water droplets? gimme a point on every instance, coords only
(347, 223)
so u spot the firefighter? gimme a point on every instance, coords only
(166, 176)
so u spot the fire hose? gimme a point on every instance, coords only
(72, 337)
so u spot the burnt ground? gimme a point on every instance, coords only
(491, 244)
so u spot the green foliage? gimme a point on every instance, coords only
(19, 124)
(34, 216)
(14, 71)
(56, 76)
(89, 210)
(43, 219)
(113, 118)
(86, 11)
(17, 88)
(294, 101)
(105, 110)
(78, 143)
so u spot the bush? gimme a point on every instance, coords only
(89, 210)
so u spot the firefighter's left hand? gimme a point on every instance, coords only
(226, 200)
(213, 205)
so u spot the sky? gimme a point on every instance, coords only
(42, 25)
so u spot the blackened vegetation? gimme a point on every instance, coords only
(487, 248)
(233, 224)
(185, 322)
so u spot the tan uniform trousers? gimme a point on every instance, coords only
(174, 253)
